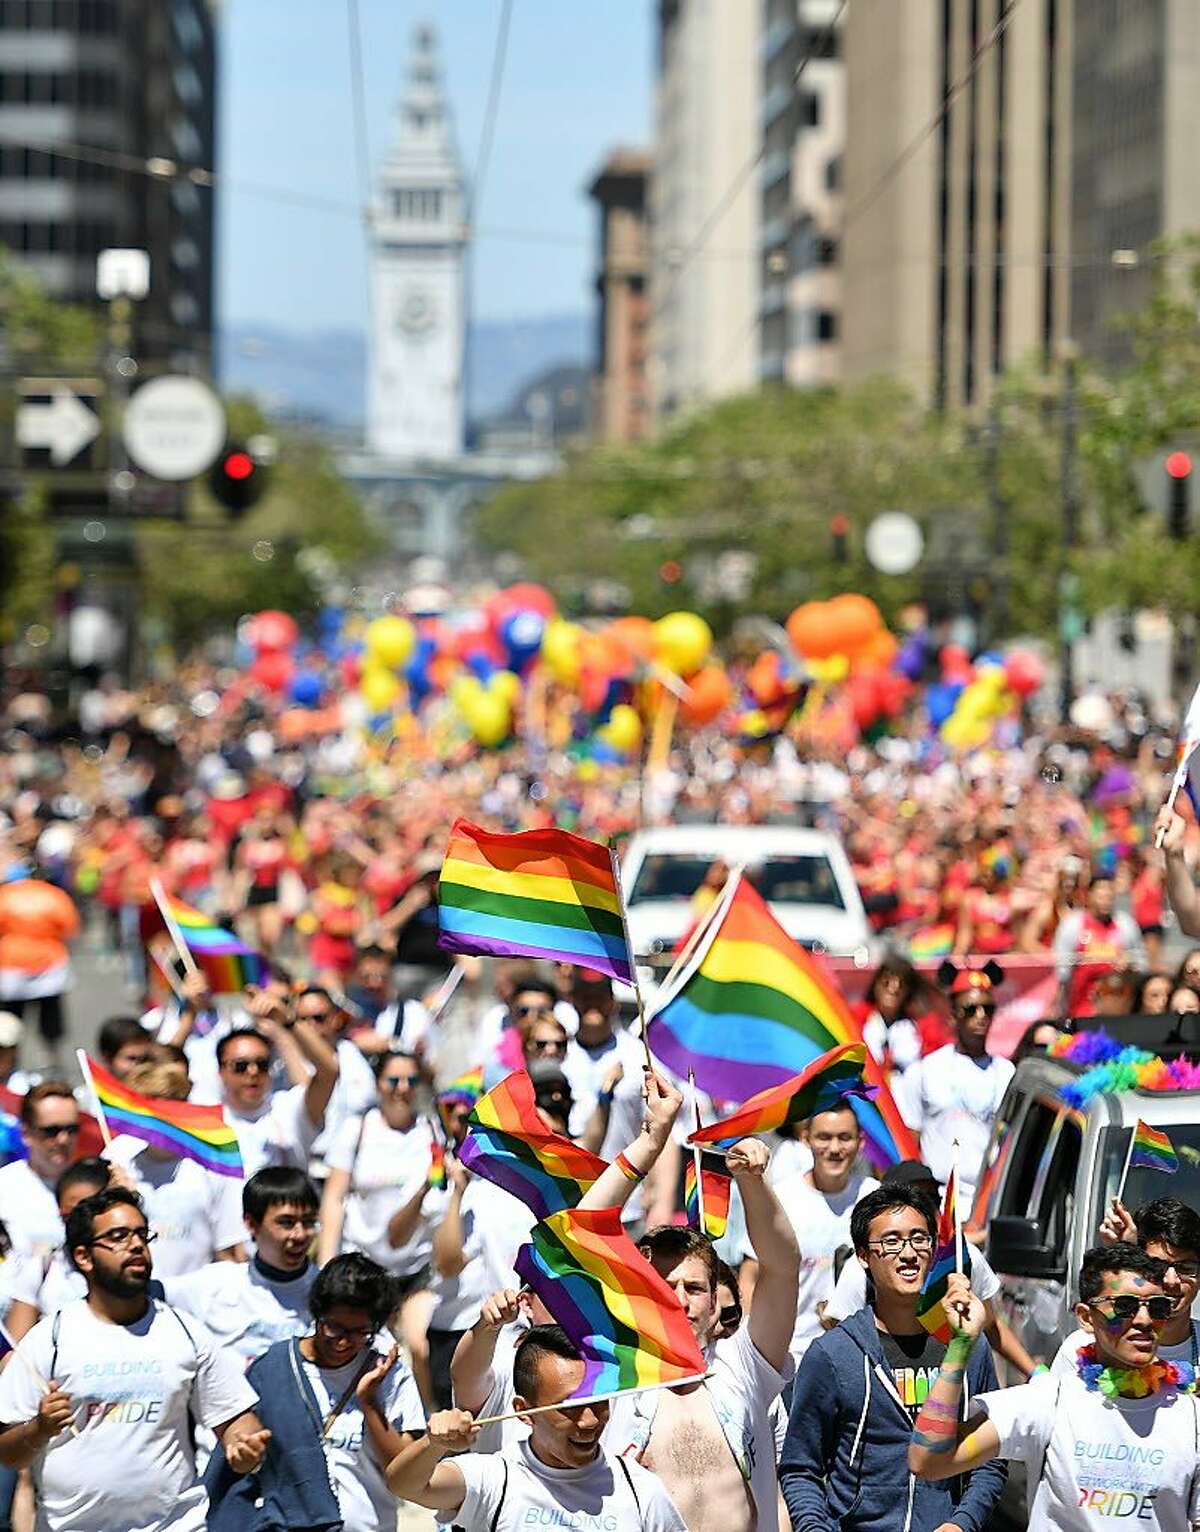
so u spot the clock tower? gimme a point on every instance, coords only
(418, 240)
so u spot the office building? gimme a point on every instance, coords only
(622, 404)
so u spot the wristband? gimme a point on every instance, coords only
(628, 1169)
(605, 1097)
(959, 1349)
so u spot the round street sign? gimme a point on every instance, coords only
(894, 543)
(174, 427)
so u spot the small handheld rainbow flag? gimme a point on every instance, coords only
(541, 893)
(193, 1132)
(508, 1144)
(629, 1326)
(716, 1183)
(1152, 1150)
(437, 1165)
(466, 1087)
(930, 1310)
(829, 1079)
(226, 962)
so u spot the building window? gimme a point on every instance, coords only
(826, 325)
(810, 109)
(833, 174)
(827, 252)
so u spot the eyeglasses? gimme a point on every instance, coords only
(307, 1221)
(1126, 1307)
(345, 1332)
(394, 1082)
(892, 1244)
(57, 1130)
(121, 1239)
(979, 1008)
(533, 1010)
(248, 1066)
(547, 1045)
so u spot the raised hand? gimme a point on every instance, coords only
(748, 1157)
(499, 1309)
(364, 1390)
(453, 1430)
(55, 1412)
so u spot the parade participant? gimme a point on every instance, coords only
(122, 1043)
(195, 1214)
(354, 1093)
(1116, 1440)
(50, 1130)
(128, 1373)
(502, 1028)
(250, 1306)
(259, 863)
(954, 1094)
(1182, 893)
(713, 1443)
(40, 1284)
(845, 1456)
(277, 1129)
(561, 1475)
(818, 1202)
(339, 1411)
(388, 1023)
(1091, 942)
(885, 1015)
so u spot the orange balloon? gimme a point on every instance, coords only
(807, 628)
(878, 652)
(711, 691)
(855, 619)
(634, 636)
(763, 678)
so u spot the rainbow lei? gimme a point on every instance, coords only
(1111, 1066)
(1132, 1382)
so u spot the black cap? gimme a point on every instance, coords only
(907, 1173)
(548, 1076)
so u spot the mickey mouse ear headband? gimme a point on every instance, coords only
(958, 980)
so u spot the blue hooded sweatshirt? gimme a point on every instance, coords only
(844, 1466)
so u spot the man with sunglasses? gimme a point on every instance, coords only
(844, 1462)
(278, 1129)
(954, 1093)
(101, 1396)
(1114, 1443)
(28, 1205)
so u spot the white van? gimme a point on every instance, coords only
(804, 875)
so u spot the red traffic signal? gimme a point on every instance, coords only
(238, 465)
(1178, 465)
(236, 480)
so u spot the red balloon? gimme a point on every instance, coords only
(272, 670)
(955, 662)
(865, 699)
(268, 631)
(528, 597)
(1024, 672)
(763, 678)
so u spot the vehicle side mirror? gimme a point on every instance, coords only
(1015, 1249)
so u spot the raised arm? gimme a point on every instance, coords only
(942, 1445)
(773, 1240)
(386, 1442)
(449, 1255)
(1182, 894)
(333, 1215)
(418, 1473)
(471, 1375)
(615, 1186)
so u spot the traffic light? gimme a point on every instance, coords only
(237, 480)
(1179, 472)
(839, 530)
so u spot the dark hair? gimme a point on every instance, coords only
(1167, 1221)
(1107, 1260)
(883, 1200)
(81, 1220)
(381, 1060)
(274, 1186)
(93, 1172)
(48, 1090)
(675, 1243)
(540, 1341)
(896, 967)
(232, 1037)
(303, 992)
(374, 953)
(1180, 972)
(834, 1104)
(537, 986)
(116, 1032)
(1027, 1048)
(354, 1281)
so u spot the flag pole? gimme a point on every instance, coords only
(633, 973)
(698, 1154)
(958, 1228)
(86, 1070)
(166, 973)
(172, 925)
(38, 1380)
(701, 928)
(574, 1404)
(1176, 783)
(1125, 1167)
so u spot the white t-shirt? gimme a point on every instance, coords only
(280, 1133)
(245, 1310)
(29, 1210)
(132, 1466)
(45, 1282)
(1064, 1364)
(607, 1493)
(414, 1021)
(1130, 1462)
(355, 1093)
(949, 1096)
(387, 1168)
(822, 1223)
(850, 1290)
(192, 1211)
(366, 1503)
(585, 1070)
(494, 1225)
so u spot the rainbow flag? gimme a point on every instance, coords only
(827, 1082)
(629, 1326)
(930, 1311)
(716, 1183)
(225, 961)
(541, 894)
(1152, 1150)
(193, 1132)
(932, 941)
(467, 1087)
(751, 1010)
(508, 1144)
(437, 1165)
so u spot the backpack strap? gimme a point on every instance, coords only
(1041, 1473)
(629, 1481)
(494, 1524)
(55, 1328)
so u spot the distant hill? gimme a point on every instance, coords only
(321, 374)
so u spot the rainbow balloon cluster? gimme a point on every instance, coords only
(1112, 1066)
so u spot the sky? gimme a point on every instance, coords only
(576, 84)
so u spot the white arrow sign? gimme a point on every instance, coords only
(65, 426)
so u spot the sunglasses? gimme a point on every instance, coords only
(58, 1130)
(1126, 1307)
(533, 1010)
(396, 1082)
(344, 1332)
(547, 1045)
(979, 1008)
(249, 1066)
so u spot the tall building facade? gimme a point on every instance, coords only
(620, 192)
(415, 404)
(980, 236)
(704, 204)
(803, 135)
(133, 78)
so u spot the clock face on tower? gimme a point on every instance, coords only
(416, 313)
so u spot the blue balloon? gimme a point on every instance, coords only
(416, 672)
(521, 633)
(940, 701)
(330, 619)
(996, 661)
(306, 688)
(480, 664)
(606, 754)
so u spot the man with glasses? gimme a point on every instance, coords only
(859, 1389)
(1112, 1443)
(100, 1398)
(954, 1093)
(28, 1206)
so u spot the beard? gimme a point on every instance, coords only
(120, 1284)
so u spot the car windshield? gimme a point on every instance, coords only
(1144, 1184)
(798, 879)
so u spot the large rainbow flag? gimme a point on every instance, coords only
(540, 894)
(828, 1081)
(751, 1010)
(508, 1144)
(193, 1132)
(629, 1326)
(226, 962)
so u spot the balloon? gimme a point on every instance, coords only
(1024, 672)
(830, 671)
(955, 662)
(417, 671)
(379, 688)
(489, 720)
(623, 731)
(522, 633)
(684, 641)
(390, 641)
(711, 693)
(562, 651)
(879, 651)
(306, 688)
(940, 701)
(527, 597)
(764, 680)
(634, 637)
(480, 664)
(268, 631)
(507, 686)
(272, 670)
(910, 661)
(865, 700)
(853, 621)
(806, 630)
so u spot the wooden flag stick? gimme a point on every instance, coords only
(698, 1154)
(1125, 1167)
(172, 925)
(38, 1380)
(958, 1228)
(578, 1404)
(637, 988)
(163, 969)
(86, 1070)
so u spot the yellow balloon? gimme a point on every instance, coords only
(490, 720)
(464, 690)
(561, 645)
(836, 668)
(390, 641)
(507, 686)
(684, 641)
(623, 731)
(379, 688)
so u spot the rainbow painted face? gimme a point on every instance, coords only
(1126, 1317)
